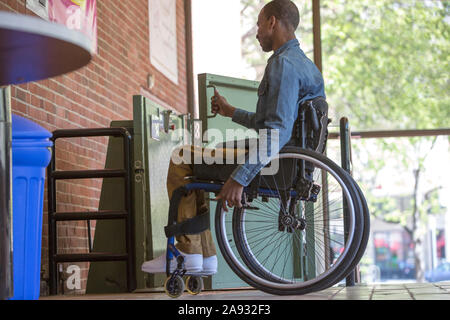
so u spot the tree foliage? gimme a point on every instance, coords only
(386, 63)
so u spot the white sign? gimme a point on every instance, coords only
(163, 37)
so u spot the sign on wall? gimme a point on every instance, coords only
(74, 14)
(163, 37)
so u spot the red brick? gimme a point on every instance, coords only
(94, 96)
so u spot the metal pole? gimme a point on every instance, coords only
(6, 227)
(345, 164)
(317, 38)
(129, 221)
(52, 227)
(189, 59)
(317, 44)
(394, 133)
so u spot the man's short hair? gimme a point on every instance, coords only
(285, 11)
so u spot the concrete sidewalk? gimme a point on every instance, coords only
(378, 291)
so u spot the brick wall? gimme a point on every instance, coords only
(91, 97)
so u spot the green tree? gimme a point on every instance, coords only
(386, 63)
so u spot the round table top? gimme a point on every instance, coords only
(33, 49)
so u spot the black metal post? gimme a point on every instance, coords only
(6, 258)
(129, 220)
(52, 231)
(345, 164)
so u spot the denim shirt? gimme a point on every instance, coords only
(290, 78)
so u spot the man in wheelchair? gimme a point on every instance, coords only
(290, 80)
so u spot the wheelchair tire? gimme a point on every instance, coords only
(366, 232)
(253, 269)
(346, 272)
(364, 240)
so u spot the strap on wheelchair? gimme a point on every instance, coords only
(194, 225)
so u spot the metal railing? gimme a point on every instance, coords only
(126, 214)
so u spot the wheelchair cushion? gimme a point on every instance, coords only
(213, 172)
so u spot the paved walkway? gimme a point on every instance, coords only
(379, 291)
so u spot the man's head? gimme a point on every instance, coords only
(277, 20)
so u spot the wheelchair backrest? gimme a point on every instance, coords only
(316, 123)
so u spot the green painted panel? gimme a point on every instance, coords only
(242, 94)
(238, 92)
(152, 149)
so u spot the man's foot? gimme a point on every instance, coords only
(192, 263)
(210, 265)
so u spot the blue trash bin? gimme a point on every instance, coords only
(31, 154)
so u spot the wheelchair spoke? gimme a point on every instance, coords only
(282, 240)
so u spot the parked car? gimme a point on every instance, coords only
(440, 273)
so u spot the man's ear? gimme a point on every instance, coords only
(272, 21)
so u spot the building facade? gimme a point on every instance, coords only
(92, 97)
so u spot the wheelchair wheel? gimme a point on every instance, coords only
(366, 231)
(283, 244)
(174, 286)
(194, 284)
(360, 252)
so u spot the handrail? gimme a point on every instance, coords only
(394, 133)
(126, 214)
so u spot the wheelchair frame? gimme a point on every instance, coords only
(304, 190)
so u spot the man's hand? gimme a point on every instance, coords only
(231, 194)
(221, 106)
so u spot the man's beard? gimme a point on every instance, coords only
(266, 46)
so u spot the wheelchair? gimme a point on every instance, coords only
(299, 230)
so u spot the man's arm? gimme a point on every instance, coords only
(281, 110)
(244, 118)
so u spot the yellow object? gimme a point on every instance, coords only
(80, 3)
